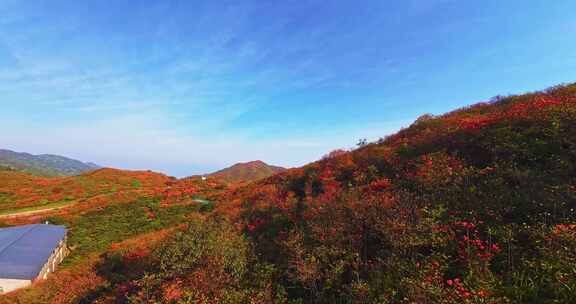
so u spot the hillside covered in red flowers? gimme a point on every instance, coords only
(474, 206)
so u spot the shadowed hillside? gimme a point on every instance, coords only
(465, 207)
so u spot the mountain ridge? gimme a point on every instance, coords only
(44, 164)
(246, 172)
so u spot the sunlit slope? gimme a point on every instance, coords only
(21, 190)
(246, 172)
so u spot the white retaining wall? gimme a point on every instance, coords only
(8, 285)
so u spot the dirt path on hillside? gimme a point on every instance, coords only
(33, 212)
(17, 213)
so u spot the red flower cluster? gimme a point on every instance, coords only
(475, 123)
(465, 224)
(517, 111)
(487, 170)
(257, 223)
(380, 185)
(463, 292)
(479, 247)
(545, 101)
(459, 287)
(472, 245)
(563, 228)
(173, 290)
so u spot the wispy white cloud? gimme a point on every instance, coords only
(185, 88)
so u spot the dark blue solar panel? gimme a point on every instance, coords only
(25, 249)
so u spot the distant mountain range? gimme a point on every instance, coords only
(44, 165)
(246, 172)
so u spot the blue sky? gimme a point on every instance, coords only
(186, 87)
